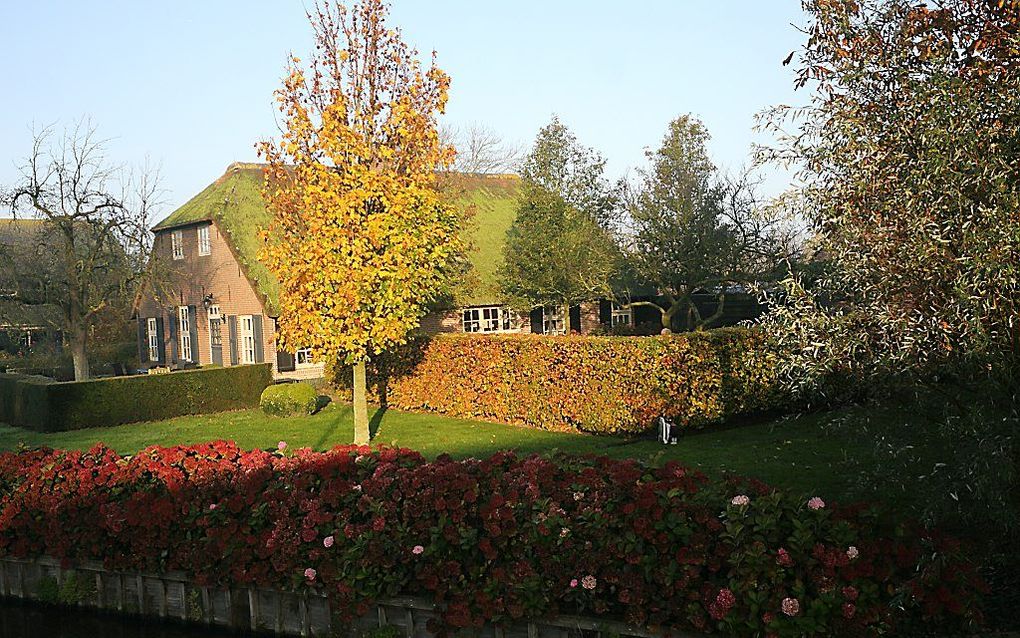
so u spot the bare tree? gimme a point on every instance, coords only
(94, 243)
(481, 150)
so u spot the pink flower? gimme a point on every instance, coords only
(417, 550)
(767, 617)
(578, 496)
(282, 445)
(849, 609)
(852, 553)
(327, 542)
(791, 606)
(310, 573)
(725, 598)
(564, 532)
(740, 500)
(573, 582)
(783, 558)
(212, 506)
(589, 582)
(815, 503)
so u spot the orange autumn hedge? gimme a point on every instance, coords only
(594, 384)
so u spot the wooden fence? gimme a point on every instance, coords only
(173, 596)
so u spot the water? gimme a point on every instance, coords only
(27, 620)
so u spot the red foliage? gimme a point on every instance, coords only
(492, 539)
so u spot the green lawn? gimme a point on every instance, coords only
(794, 453)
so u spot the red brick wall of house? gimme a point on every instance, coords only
(192, 278)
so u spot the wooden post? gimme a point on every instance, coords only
(21, 580)
(279, 613)
(409, 619)
(253, 608)
(100, 590)
(120, 592)
(306, 622)
(141, 594)
(208, 612)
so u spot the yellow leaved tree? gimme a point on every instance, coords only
(359, 239)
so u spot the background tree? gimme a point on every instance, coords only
(558, 251)
(359, 239)
(690, 231)
(93, 245)
(481, 150)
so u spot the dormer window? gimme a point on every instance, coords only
(204, 245)
(177, 244)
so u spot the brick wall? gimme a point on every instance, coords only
(189, 280)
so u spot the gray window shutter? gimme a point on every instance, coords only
(193, 330)
(232, 338)
(162, 341)
(175, 319)
(143, 340)
(256, 324)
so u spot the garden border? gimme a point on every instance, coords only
(173, 595)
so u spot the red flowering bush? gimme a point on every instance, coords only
(493, 539)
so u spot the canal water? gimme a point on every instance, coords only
(28, 620)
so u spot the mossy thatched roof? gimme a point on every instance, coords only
(234, 202)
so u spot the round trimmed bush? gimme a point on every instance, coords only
(289, 399)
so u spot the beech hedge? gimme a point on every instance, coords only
(494, 539)
(593, 384)
(41, 404)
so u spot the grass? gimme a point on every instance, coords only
(794, 453)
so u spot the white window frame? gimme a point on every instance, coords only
(488, 320)
(152, 332)
(213, 314)
(303, 358)
(553, 321)
(177, 244)
(204, 243)
(621, 315)
(184, 328)
(246, 330)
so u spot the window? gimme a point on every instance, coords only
(621, 315)
(552, 321)
(152, 332)
(490, 319)
(247, 339)
(215, 327)
(204, 245)
(26, 340)
(303, 358)
(185, 329)
(177, 244)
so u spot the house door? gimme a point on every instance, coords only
(215, 336)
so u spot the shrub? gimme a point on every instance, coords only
(494, 539)
(40, 404)
(289, 399)
(594, 384)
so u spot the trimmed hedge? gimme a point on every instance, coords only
(289, 399)
(498, 539)
(594, 384)
(41, 404)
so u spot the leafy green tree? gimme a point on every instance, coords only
(559, 252)
(690, 231)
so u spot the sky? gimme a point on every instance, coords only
(188, 85)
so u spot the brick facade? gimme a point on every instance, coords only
(188, 283)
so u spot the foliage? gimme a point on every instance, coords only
(493, 539)
(90, 249)
(40, 404)
(360, 241)
(690, 231)
(908, 155)
(594, 384)
(289, 399)
(558, 252)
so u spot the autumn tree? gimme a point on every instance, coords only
(558, 252)
(359, 239)
(691, 231)
(91, 247)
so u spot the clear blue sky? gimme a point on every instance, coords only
(189, 83)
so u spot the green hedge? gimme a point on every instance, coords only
(593, 384)
(40, 404)
(289, 399)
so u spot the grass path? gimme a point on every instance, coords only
(794, 453)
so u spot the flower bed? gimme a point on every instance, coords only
(593, 384)
(494, 539)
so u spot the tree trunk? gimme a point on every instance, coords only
(79, 355)
(361, 431)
